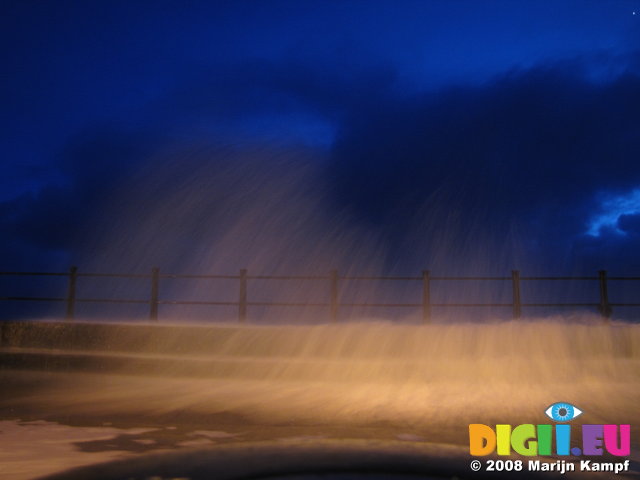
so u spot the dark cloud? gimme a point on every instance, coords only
(629, 223)
(508, 170)
(49, 223)
(257, 98)
(530, 149)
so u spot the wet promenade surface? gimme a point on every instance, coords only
(52, 421)
(81, 395)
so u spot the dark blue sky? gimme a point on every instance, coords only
(497, 119)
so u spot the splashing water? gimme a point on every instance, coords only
(216, 211)
(430, 377)
(421, 381)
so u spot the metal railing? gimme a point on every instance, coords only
(333, 303)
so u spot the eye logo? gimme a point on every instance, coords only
(562, 412)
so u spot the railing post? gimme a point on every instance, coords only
(155, 289)
(517, 305)
(426, 297)
(605, 307)
(333, 278)
(242, 302)
(71, 293)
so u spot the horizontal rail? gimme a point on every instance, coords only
(175, 275)
(35, 299)
(303, 304)
(472, 305)
(113, 275)
(196, 302)
(287, 277)
(381, 305)
(39, 274)
(110, 300)
(560, 278)
(286, 304)
(299, 277)
(561, 304)
(349, 277)
(469, 278)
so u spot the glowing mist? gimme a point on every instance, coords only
(436, 377)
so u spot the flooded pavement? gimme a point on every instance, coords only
(36, 448)
(54, 421)
(415, 386)
(31, 449)
(44, 429)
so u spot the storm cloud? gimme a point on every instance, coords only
(441, 137)
(515, 168)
